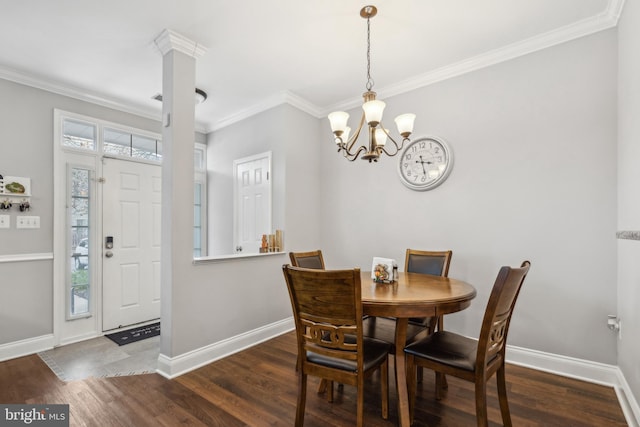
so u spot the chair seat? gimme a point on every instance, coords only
(384, 329)
(375, 351)
(446, 348)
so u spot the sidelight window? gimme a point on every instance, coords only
(79, 289)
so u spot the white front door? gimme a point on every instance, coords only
(131, 225)
(252, 192)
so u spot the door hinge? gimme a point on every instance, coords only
(102, 180)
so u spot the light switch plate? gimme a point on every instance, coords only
(23, 221)
(5, 221)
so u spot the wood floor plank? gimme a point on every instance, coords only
(258, 387)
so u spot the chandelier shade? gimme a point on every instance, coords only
(372, 112)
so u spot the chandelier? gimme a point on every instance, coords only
(371, 115)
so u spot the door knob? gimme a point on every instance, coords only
(108, 254)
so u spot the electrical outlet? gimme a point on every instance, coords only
(5, 221)
(23, 221)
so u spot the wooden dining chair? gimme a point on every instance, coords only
(327, 308)
(435, 263)
(311, 259)
(469, 359)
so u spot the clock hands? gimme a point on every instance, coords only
(422, 162)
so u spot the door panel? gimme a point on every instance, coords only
(131, 215)
(252, 189)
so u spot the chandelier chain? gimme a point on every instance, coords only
(380, 141)
(369, 79)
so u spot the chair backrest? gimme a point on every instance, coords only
(312, 259)
(326, 307)
(435, 263)
(497, 316)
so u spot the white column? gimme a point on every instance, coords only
(178, 134)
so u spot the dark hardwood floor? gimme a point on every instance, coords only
(258, 387)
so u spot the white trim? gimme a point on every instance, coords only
(40, 82)
(629, 404)
(26, 257)
(558, 36)
(593, 372)
(284, 97)
(172, 367)
(571, 367)
(605, 20)
(231, 257)
(25, 347)
(169, 40)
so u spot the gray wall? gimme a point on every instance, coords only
(243, 139)
(628, 190)
(222, 299)
(26, 149)
(534, 141)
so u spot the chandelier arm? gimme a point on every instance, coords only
(353, 156)
(373, 108)
(351, 142)
(398, 146)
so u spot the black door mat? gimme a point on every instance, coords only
(135, 334)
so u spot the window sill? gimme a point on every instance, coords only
(231, 257)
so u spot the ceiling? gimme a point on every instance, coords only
(261, 53)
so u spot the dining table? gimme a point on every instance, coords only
(411, 295)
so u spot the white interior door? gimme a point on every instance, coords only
(131, 218)
(252, 192)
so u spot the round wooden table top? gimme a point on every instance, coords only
(415, 295)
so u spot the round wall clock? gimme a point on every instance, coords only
(425, 163)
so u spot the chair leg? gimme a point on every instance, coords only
(440, 327)
(360, 405)
(481, 403)
(302, 398)
(329, 387)
(502, 396)
(384, 388)
(441, 385)
(411, 384)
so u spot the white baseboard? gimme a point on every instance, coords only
(171, 367)
(26, 347)
(629, 404)
(593, 372)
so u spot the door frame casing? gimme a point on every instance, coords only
(67, 331)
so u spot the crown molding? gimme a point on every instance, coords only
(605, 20)
(84, 95)
(284, 97)
(169, 40)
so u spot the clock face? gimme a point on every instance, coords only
(425, 163)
